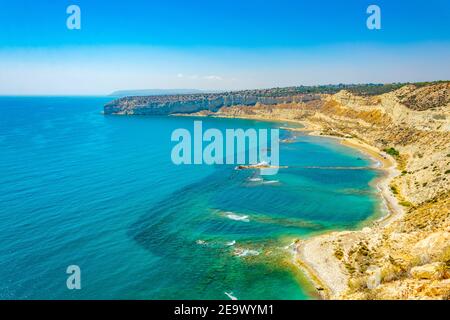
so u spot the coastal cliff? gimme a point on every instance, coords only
(409, 256)
(405, 255)
(189, 103)
(211, 102)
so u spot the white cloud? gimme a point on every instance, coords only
(213, 77)
(92, 70)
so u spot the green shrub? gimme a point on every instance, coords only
(394, 190)
(405, 203)
(392, 151)
(338, 253)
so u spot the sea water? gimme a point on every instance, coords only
(101, 192)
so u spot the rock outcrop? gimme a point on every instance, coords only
(189, 103)
(431, 271)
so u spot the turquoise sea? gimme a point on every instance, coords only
(101, 192)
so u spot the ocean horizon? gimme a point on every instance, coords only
(101, 192)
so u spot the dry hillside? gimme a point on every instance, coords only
(408, 258)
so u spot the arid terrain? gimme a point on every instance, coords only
(406, 127)
(405, 255)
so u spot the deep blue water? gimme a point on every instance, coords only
(101, 192)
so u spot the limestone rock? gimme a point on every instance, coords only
(432, 246)
(433, 271)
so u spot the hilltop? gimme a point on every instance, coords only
(163, 102)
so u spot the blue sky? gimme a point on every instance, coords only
(217, 44)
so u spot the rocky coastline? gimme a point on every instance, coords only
(405, 255)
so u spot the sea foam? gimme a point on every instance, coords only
(271, 181)
(242, 252)
(237, 217)
(230, 295)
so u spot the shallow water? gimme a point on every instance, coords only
(101, 192)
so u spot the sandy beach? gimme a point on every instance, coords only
(316, 255)
(382, 257)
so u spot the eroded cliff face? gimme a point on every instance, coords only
(408, 258)
(424, 98)
(189, 103)
(422, 138)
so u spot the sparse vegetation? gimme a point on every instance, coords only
(392, 151)
(394, 189)
(338, 253)
(428, 83)
(405, 203)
